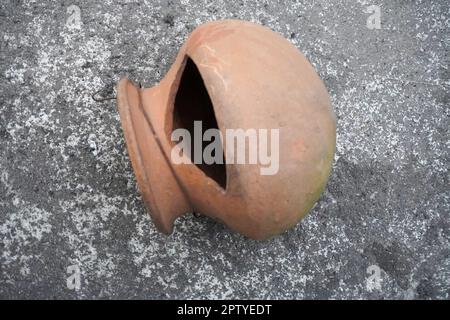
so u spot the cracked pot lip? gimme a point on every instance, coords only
(129, 128)
(164, 202)
(132, 145)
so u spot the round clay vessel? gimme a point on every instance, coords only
(232, 74)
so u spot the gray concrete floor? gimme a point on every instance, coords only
(68, 196)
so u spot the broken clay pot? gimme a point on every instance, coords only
(232, 74)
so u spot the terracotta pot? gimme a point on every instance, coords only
(232, 74)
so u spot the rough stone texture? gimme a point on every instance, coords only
(68, 195)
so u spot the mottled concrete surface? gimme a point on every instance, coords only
(68, 195)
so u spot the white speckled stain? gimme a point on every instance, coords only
(23, 228)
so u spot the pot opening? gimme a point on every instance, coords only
(192, 103)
